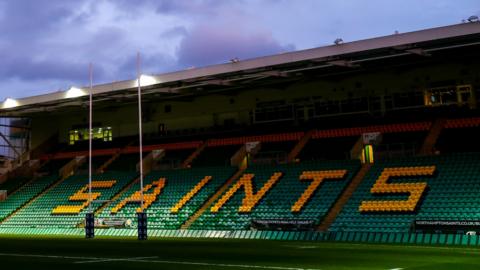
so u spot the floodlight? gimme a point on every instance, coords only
(74, 92)
(146, 80)
(9, 103)
(338, 41)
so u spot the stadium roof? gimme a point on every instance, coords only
(244, 73)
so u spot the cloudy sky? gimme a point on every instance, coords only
(46, 45)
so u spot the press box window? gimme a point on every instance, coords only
(77, 135)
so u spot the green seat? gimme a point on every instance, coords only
(24, 194)
(277, 202)
(38, 214)
(177, 184)
(451, 195)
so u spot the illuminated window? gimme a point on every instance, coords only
(450, 95)
(101, 133)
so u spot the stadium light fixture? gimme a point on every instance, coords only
(9, 103)
(74, 92)
(338, 41)
(473, 18)
(146, 80)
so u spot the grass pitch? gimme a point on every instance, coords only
(108, 253)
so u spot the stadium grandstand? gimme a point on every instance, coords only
(373, 141)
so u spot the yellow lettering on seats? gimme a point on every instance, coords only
(382, 187)
(82, 195)
(190, 194)
(148, 198)
(250, 199)
(318, 177)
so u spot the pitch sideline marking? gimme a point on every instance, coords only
(227, 265)
(349, 245)
(118, 260)
(302, 247)
(141, 260)
(457, 248)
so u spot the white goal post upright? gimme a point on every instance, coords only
(90, 135)
(89, 217)
(141, 216)
(140, 129)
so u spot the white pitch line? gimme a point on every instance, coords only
(49, 256)
(134, 259)
(301, 247)
(227, 265)
(140, 260)
(355, 246)
(396, 269)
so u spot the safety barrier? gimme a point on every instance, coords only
(363, 237)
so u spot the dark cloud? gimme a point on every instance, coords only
(25, 68)
(31, 18)
(24, 24)
(171, 6)
(55, 60)
(49, 43)
(175, 32)
(193, 7)
(160, 6)
(207, 45)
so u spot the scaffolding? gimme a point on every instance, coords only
(14, 139)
